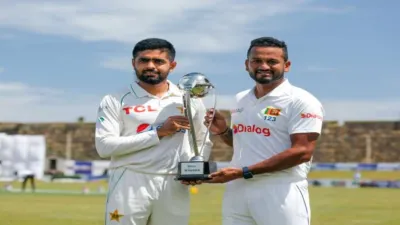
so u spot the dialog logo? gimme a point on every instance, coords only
(310, 116)
(241, 128)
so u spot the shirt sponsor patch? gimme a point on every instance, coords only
(242, 128)
(310, 116)
(139, 109)
(144, 127)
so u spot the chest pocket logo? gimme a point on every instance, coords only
(271, 113)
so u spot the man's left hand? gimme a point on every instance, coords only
(225, 175)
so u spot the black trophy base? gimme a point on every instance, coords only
(195, 170)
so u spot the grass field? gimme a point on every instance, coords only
(330, 206)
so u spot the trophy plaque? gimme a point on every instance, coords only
(195, 86)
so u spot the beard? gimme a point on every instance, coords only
(150, 79)
(275, 76)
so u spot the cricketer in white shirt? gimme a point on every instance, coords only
(261, 129)
(274, 128)
(143, 166)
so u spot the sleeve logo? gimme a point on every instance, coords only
(144, 127)
(310, 116)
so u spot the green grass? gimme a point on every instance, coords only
(330, 206)
(62, 186)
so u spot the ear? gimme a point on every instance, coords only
(246, 64)
(287, 66)
(172, 65)
(133, 63)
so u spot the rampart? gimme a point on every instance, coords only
(372, 141)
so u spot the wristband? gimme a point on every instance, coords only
(227, 129)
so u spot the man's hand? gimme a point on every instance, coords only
(225, 175)
(218, 123)
(197, 182)
(218, 126)
(172, 125)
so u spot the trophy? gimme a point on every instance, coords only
(195, 86)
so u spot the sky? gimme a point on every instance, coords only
(59, 58)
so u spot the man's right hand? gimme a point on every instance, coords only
(172, 125)
(218, 123)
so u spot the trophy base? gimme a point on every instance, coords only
(195, 170)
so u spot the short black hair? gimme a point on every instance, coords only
(269, 42)
(152, 44)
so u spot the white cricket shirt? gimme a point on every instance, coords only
(262, 127)
(126, 130)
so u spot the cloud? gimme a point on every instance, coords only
(117, 63)
(23, 103)
(6, 36)
(362, 109)
(320, 69)
(324, 9)
(207, 26)
(195, 27)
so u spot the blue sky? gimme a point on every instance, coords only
(58, 58)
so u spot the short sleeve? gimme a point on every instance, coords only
(306, 117)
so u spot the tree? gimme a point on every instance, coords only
(81, 119)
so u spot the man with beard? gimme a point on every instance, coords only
(274, 129)
(144, 132)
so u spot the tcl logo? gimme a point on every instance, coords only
(310, 115)
(139, 109)
(241, 128)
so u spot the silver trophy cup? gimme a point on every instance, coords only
(195, 86)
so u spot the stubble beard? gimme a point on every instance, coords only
(150, 79)
(273, 79)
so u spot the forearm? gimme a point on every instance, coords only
(227, 137)
(108, 145)
(284, 160)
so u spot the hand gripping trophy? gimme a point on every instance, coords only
(195, 86)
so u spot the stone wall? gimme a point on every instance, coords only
(339, 143)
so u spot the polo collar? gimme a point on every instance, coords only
(139, 92)
(280, 90)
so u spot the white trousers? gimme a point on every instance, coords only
(145, 199)
(266, 202)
